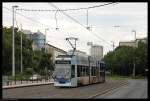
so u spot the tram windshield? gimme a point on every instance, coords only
(62, 71)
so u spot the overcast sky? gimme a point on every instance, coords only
(129, 16)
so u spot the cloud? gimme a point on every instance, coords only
(127, 15)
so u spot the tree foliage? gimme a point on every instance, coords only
(121, 60)
(33, 61)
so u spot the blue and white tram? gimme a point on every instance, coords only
(74, 70)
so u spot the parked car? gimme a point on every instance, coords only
(35, 77)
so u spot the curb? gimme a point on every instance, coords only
(19, 86)
(93, 96)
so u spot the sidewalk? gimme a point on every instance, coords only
(28, 84)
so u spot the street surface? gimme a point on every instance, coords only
(49, 91)
(137, 88)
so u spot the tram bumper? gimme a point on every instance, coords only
(66, 84)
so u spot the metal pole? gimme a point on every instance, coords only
(135, 57)
(21, 52)
(89, 69)
(113, 45)
(45, 38)
(13, 44)
(134, 69)
(45, 48)
(134, 34)
(87, 18)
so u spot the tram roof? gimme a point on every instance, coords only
(69, 56)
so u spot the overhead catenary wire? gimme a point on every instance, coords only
(72, 17)
(77, 22)
(67, 15)
(29, 18)
(40, 10)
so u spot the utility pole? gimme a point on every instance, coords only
(134, 34)
(134, 57)
(114, 53)
(21, 51)
(13, 43)
(90, 44)
(45, 37)
(113, 45)
(45, 47)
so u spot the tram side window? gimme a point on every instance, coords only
(93, 71)
(102, 66)
(72, 71)
(83, 72)
(78, 71)
(87, 72)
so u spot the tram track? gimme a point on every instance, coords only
(107, 90)
(49, 91)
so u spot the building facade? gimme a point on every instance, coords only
(39, 39)
(96, 52)
(133, 43)
(128, 43)
(77, 52)
(54, 51)
(144, 40)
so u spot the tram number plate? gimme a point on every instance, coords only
(63, 62)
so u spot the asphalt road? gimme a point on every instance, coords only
(49, 91)
(137, 88)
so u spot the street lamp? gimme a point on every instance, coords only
(134, 57)
(45, 37)
(90, 44)
(45, 46)
(134, 34)
(13, 43)
(21, 51)
(113, 45)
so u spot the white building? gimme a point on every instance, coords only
(133, 43)
(54, 51)
(96, 52)
(128, 43)
(77, 52)
(144, 40)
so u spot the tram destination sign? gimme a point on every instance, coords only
(63, 62)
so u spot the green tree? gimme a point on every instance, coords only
(121, 60)
(33, 61)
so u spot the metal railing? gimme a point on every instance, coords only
(10, 82)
